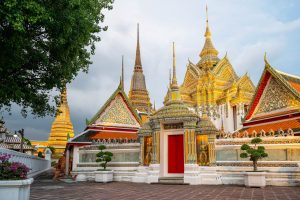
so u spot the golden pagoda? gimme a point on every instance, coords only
(213, 85)
(62, 128)
(138, 93)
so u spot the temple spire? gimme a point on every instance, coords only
(207, 32)
(138, 93)
(170, 77)
(208, 54)
(174, 79)
(138, 62)
(122, 76)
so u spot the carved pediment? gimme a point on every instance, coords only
(276, 97)
(117, 113)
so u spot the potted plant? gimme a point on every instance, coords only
(104, 175)
(14, 184)
(254, 178)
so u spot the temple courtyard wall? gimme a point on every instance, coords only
(282, 167)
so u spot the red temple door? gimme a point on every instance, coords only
(175, 154)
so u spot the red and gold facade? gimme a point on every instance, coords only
(275, 108)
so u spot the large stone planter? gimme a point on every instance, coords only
(104, 176)
(255, 179)
(15, 189)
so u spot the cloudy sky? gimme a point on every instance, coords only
(242, 28)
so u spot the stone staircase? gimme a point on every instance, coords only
(171, 181)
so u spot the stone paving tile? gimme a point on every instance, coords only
(50, 190)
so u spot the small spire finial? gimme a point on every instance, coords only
(206, 14)
(170, 76)
(138, 62)
(154, 106)
(207, 32)
(265, 59)
(122, 72)
(174, 79)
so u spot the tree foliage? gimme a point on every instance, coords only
(104, 156)
(253, 153)
(43, 45)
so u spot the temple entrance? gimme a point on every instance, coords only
(175, 154)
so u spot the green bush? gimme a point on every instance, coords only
(40, 154)
(104, 156)
(253, 153)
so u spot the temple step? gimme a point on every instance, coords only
(171, 181)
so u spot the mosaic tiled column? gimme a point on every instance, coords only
(190, 146)
(142, 150)
(211, 149)
(155, 147)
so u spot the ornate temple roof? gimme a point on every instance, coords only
(174, 108)
(138, 93)
(117, 111)
(277, 93)
(275, 106)
(209, 54)
(206, 126)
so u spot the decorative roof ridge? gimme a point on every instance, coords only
(274, 73)
(289, 75)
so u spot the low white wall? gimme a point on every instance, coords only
(36, 164)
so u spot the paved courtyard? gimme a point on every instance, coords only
(47, 189)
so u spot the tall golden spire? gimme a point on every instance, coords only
(207, 31)
(138, 62)
(138, 93)
(175, 95)
(62, 127)
(174, 79)
(208, 54)
(122, 72)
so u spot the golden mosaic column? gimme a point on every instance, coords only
(211, 149)
(190, 146)
(142, 149)
(156, 147)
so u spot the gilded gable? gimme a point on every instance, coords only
(276, 97)
(117, 113)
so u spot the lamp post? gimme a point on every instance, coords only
(21, 132)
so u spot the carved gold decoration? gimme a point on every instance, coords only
(276, 97)
(117, 113)
(62, 127)
(202, 150)
(147, 150)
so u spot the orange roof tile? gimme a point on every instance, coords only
(284, 125)
(295, 85)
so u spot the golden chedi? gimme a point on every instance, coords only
(138, 94)
(62, 128)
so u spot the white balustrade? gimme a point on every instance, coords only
(36, 164)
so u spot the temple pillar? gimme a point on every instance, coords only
(142, 150)
(211, 149)
(67, 161)
(190, 146)
(156, 147)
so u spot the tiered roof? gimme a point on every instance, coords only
(275, 106)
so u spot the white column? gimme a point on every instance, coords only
(67, 161)
(75, 157)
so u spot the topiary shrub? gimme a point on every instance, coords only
(253, 153)
(104, 156)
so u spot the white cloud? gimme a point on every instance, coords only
(245, 29)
